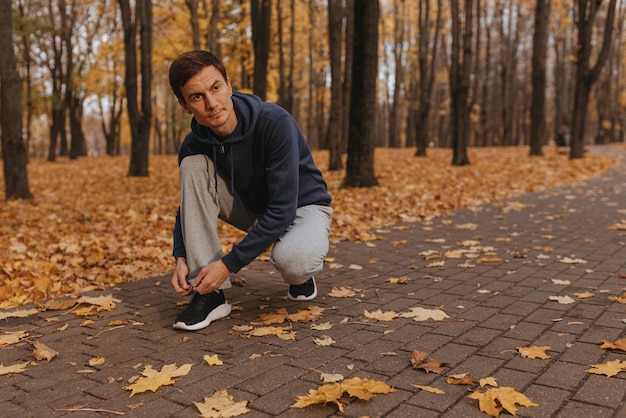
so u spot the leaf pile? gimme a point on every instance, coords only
(91, 226)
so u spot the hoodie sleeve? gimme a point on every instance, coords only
(280, 141)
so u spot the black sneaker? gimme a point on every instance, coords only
(304, 291)
(203, 310)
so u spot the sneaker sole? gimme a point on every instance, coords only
(302, 297)
(217, 313)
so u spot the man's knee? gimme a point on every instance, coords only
(296, 267)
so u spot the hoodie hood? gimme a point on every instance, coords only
(247, 108)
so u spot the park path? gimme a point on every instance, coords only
(496, 290)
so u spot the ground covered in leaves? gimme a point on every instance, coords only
(90, 226)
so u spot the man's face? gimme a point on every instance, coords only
(208, 98)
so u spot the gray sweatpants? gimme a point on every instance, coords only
(298, 254)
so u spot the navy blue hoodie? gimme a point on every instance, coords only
(269, 165)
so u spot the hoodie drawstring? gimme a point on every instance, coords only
(232, 167)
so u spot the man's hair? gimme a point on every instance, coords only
(189, 64)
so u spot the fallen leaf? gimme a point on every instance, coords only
(434, 366)
(364, 389)
(96, 361)
(312, 313)
(9, 338)
(380, 315)
(213, 360)
(221, 405)
(422, 314)
(331, 378)
(322, 327)
(563, 300)
(494, 400)
(534, 352)
(615, 345)
(276, 317)
(20, 313)
(43, 352)
(153, 380)
(398, 280)
(568, 260)
(15, 368)
(460, 379)
(429, 389)
(618, 299)
(561, 282)
(324, 341)
(284, 333)
(418, 357)
(491, 381)
(342, 292)
(584, 295)
(609, 369)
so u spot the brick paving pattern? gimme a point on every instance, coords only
(497, 302)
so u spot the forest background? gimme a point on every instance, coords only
(368, 81)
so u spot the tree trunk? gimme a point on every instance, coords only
(460, 78)
(397, 104)
(540, 48)
(192, 5)
(13, 150)
(140, 118)
(360, 164)
(586, 76)
(335, 19)
(426, 72)
(261, 34)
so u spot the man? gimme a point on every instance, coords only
(246, 162)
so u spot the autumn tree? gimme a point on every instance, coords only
(139, 113)
(13, 150)
(540, 47)
(460, 67)
(360, 163)
(587, 75)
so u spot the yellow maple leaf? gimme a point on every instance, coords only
(312, 313)
(152, 379)
(213, 360)
(619, 344)
(398, 280)
(364, 389)
(276, 317)
(341, 292)
(609, 369)
(584, 295)
(284, 333)
(494, 400)
(380, 315)
(534, 352)
(221, 404)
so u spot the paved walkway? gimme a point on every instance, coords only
(497, 295)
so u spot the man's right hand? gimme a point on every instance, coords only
(179, 278)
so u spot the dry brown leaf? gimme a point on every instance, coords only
(418, 357)
(364, 389)
(618, 299)
(96, 361)
(20, 313)
(619, 344)
(491, 381)
(322, 327)
(9, 338)
(331, 378)
(584, 295)
(276, 317)
(324, 341)
(562, 300)
(15, 368)
(494, 400)
(398, 280)
(43, 352)
(380, 315)
(153, 380)
(460, 379)
(312, 313)
(432, 366)
(609, 369)
(534, 352)
(422, 314)
(221, 405)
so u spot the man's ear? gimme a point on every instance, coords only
(184, 106)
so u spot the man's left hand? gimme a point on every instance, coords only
(211, 277)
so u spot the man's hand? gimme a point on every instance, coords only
(179, 278)
(211, 277)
